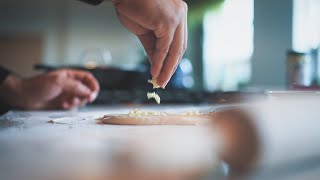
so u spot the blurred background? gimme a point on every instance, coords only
(234, 46)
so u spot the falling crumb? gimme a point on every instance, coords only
(155, 96)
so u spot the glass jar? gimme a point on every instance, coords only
(299, 69)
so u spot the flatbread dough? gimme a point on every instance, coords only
(137, 117)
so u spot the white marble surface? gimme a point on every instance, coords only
(29, 143)
(27, 138)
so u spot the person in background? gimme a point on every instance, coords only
(160, 25)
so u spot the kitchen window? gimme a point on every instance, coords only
(306, 25)
(228, 46)
(306, 29)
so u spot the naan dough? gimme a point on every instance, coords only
(137, 117)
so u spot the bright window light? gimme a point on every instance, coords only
(228, 45)
(306, 25)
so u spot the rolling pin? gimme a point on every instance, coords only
(270, 134)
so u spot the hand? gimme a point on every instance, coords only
(60, 89)
(161, 26)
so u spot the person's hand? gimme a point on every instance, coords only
(161, 26)
(59, 89)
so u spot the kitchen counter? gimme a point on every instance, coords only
(78, 142)
(79, 145)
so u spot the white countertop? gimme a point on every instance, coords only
(87, 147)
(22, 132)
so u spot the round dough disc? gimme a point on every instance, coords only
(156, 120)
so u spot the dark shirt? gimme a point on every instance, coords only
(93, 2)
(4, 73)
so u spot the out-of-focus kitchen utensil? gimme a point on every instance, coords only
(299, 69)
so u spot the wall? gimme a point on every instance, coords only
(67, 28)
(30, 52)
(98, 27)
(272, 38)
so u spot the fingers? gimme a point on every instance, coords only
(167, 57)
(73, 102)
(148, 41)
(65, 101)
(146, 37)
(78, 88)
(173, 57)
(185, 22)
(86, 79)
(75, 88)
(67, 89)
(161, 28)
(162, 48)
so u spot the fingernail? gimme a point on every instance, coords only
(165, 84)
(93, 96)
